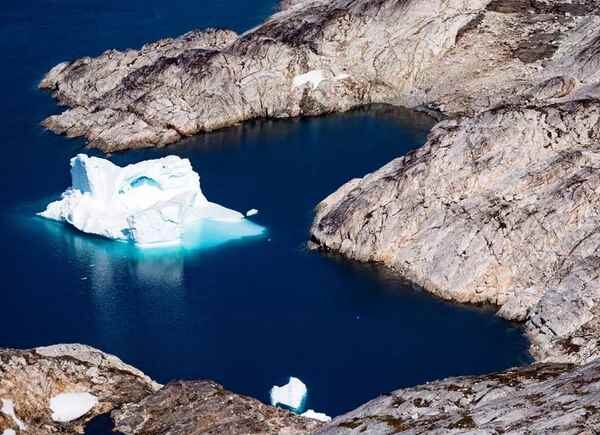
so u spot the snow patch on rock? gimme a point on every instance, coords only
(291, 395)
(316, 415)
(342, 76)
(147, 203)
(314, 78)
(8, 409)
(9, 432)
(67, 407)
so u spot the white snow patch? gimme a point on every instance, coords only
(8, 409)
(147, 203)
(343, 76)
(314, 77)
(9, 432)
(251, 212)
(292, 394)
(316, 415)
(67, 407)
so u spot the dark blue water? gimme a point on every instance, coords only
(248, 314)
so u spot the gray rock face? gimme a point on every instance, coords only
(540, 399)
(500, 208)
(500, 205)
(456, 56)
(30, 378)
(204, 407)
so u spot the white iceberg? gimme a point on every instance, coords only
(8, 409)
(147, 203)
(251, 212)
(291, 395)
(67, 407)
(316, 415)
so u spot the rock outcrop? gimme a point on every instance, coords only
(30, 378)
(205, 407)
(540, 399)
(500, 206)
(320, 56)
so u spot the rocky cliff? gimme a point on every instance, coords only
(320, 56)
(29, 379)
(541, 399)
(499, 206)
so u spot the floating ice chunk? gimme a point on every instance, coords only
(316, 415)
(291, 395)
(314, 77)
(67, 407)
(251, 212)
(148, 203)
(8, 409)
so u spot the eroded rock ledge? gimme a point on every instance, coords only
(456, 56)
(30, 378)
(542, 398)
(499, 206)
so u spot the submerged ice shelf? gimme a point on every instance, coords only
(151, 203)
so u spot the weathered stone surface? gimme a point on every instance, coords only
(540, 399)
(501, 204)
(29, 378)
(456, 56)
(205, 407)
(500, 208)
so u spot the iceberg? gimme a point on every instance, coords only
(316, 415)
(67, 407)
(291, 395)
(148, 203)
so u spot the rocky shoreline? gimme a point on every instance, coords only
(499, 206)
(542, 398)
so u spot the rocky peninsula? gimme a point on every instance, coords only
(500, 206)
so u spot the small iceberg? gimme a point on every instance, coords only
(251, 212)
(148, 203)
(316, 415)
(67, 407)
(292, 395)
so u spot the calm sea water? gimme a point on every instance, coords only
(249, 313)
